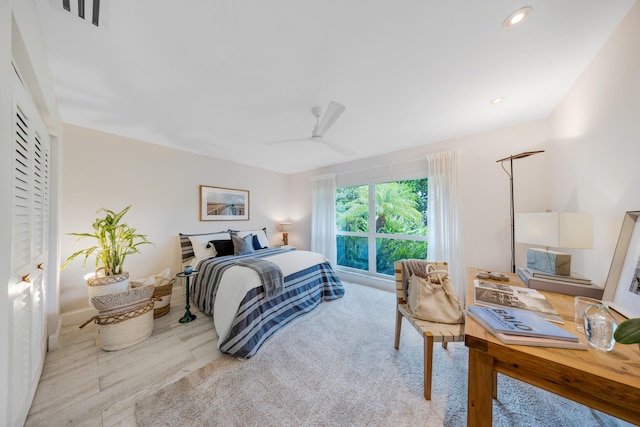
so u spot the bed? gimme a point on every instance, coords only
(246, 309)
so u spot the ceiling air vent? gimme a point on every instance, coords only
(90, 11)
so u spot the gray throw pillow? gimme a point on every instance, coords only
(242, 245)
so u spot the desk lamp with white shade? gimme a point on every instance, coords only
(562, 230)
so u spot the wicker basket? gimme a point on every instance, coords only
(125, 318)
(100, 284)
(130, 331)
(162, 294)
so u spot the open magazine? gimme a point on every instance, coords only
(491, 294)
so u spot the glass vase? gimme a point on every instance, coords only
(599, 326)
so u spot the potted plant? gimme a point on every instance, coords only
(114, 241)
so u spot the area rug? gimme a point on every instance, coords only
(337, 366)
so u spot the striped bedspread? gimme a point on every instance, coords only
(205, 284)
(258, 317)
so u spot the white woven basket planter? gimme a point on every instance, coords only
(99, 284)
(124, 318)
(116, 336)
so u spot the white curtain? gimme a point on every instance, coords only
(444, 233)
(323, 216)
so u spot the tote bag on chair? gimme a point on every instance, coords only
(433, 298)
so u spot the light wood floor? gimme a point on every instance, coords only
(83, 385)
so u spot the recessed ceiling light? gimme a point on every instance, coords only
(517, 17)
(495, 101)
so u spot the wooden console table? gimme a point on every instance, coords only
(606, 381)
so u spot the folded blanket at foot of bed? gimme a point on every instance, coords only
(270, 275)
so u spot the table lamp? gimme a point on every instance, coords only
(569, 230)
(285, 227)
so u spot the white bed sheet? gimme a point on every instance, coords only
(237, 281)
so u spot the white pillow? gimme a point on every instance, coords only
(200, 243)
(144, 282)
(262, 236)
(155, 280)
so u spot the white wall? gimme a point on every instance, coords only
(108, 171)
(595, 145)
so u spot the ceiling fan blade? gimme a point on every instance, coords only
(336, 147)
(282, 141)
(334, 110)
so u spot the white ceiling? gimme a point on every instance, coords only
(222, 78)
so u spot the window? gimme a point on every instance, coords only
(379, 224)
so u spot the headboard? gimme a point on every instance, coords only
(186, 245)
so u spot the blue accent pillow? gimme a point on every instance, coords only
(256, 242)
(242, 245)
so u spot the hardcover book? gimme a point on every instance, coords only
(519, 322)
(559, 286)
(476, 314)
(573, 278)
(540, 342)
(489, 294)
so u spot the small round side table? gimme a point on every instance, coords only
(188, 317)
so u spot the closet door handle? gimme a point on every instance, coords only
(41, 266)
(26, 279)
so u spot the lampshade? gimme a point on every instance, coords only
(285, 226)
(555, 229)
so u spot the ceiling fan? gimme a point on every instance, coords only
(323, 124)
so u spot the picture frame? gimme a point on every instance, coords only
(223, 204)
(622, 289)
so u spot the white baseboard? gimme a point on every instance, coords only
(375, 282)
(52, 342)
(75, 317)
(78, 317)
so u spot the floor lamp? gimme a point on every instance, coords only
(512, 214)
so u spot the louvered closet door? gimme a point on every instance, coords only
(29, 249)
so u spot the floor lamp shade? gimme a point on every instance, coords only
(569, 230)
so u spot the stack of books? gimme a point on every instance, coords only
(568, 285)
(498, 295)
(522, 327)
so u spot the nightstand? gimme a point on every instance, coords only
(188, 317)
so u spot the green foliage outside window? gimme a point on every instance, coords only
(352, 208)
(353, 252)
(390, 250)
(400, 210)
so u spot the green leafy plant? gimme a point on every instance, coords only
(115, 240)
(628, 332)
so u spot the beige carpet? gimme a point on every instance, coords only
(337, 366)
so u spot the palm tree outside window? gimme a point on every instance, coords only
(378, 224)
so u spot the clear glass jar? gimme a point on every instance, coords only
(599, 326)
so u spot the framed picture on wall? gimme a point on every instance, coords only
(223, 204)
(622, 290)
